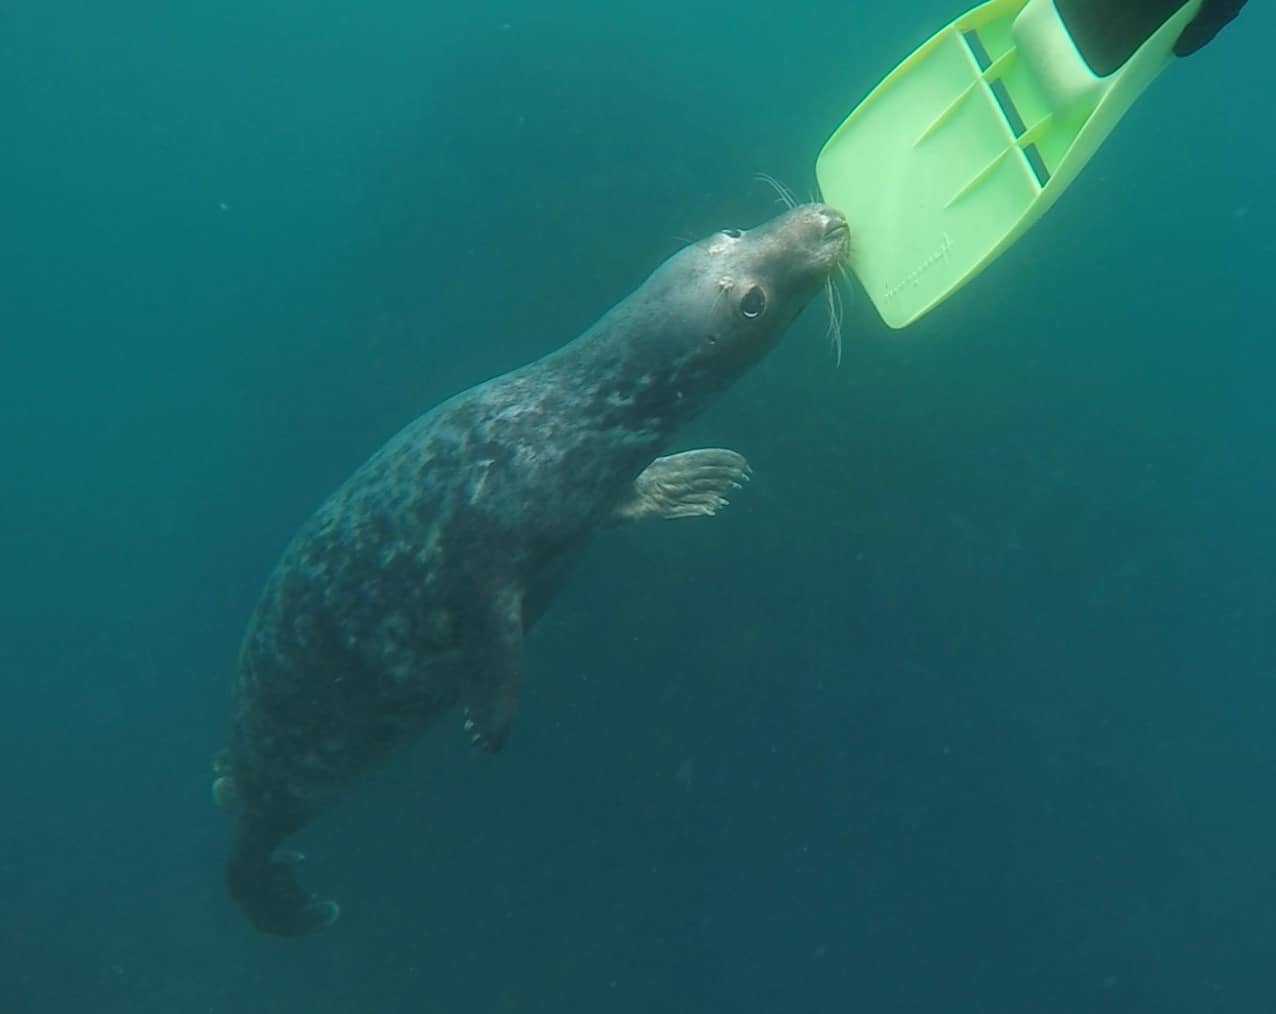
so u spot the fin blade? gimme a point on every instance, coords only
(968, 142)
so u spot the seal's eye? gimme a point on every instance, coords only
(732, 233)
(753, 303)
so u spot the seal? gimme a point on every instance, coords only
(409, 592)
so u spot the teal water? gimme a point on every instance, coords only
(967, 704)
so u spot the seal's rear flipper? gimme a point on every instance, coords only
(264, 885)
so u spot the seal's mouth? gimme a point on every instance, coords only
(837, 232)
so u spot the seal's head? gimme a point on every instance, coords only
(726, 300)
(762, 278)
(702, 319)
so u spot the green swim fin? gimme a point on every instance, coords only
(967, 143)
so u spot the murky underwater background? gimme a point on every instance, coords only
(967, 703)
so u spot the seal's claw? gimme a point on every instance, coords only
(690, 484)
(324, 913)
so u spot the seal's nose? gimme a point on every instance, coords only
(833, 220)
(834, 229)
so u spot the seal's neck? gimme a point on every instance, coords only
(635, 375)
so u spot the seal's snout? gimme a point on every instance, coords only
(834, 227)
(817, 229)
(832, 219)
(835, 223)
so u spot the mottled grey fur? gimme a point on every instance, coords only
(410, 589)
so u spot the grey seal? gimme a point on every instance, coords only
(408, 593)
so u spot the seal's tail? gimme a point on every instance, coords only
(263, 882)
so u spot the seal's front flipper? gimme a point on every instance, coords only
(264, 884)
(690, 484)
(492, 660)
(971, 139)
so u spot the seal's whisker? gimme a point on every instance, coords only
(834, 333)
(845, 273)
(785, 195)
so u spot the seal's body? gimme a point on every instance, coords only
(410, 590)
